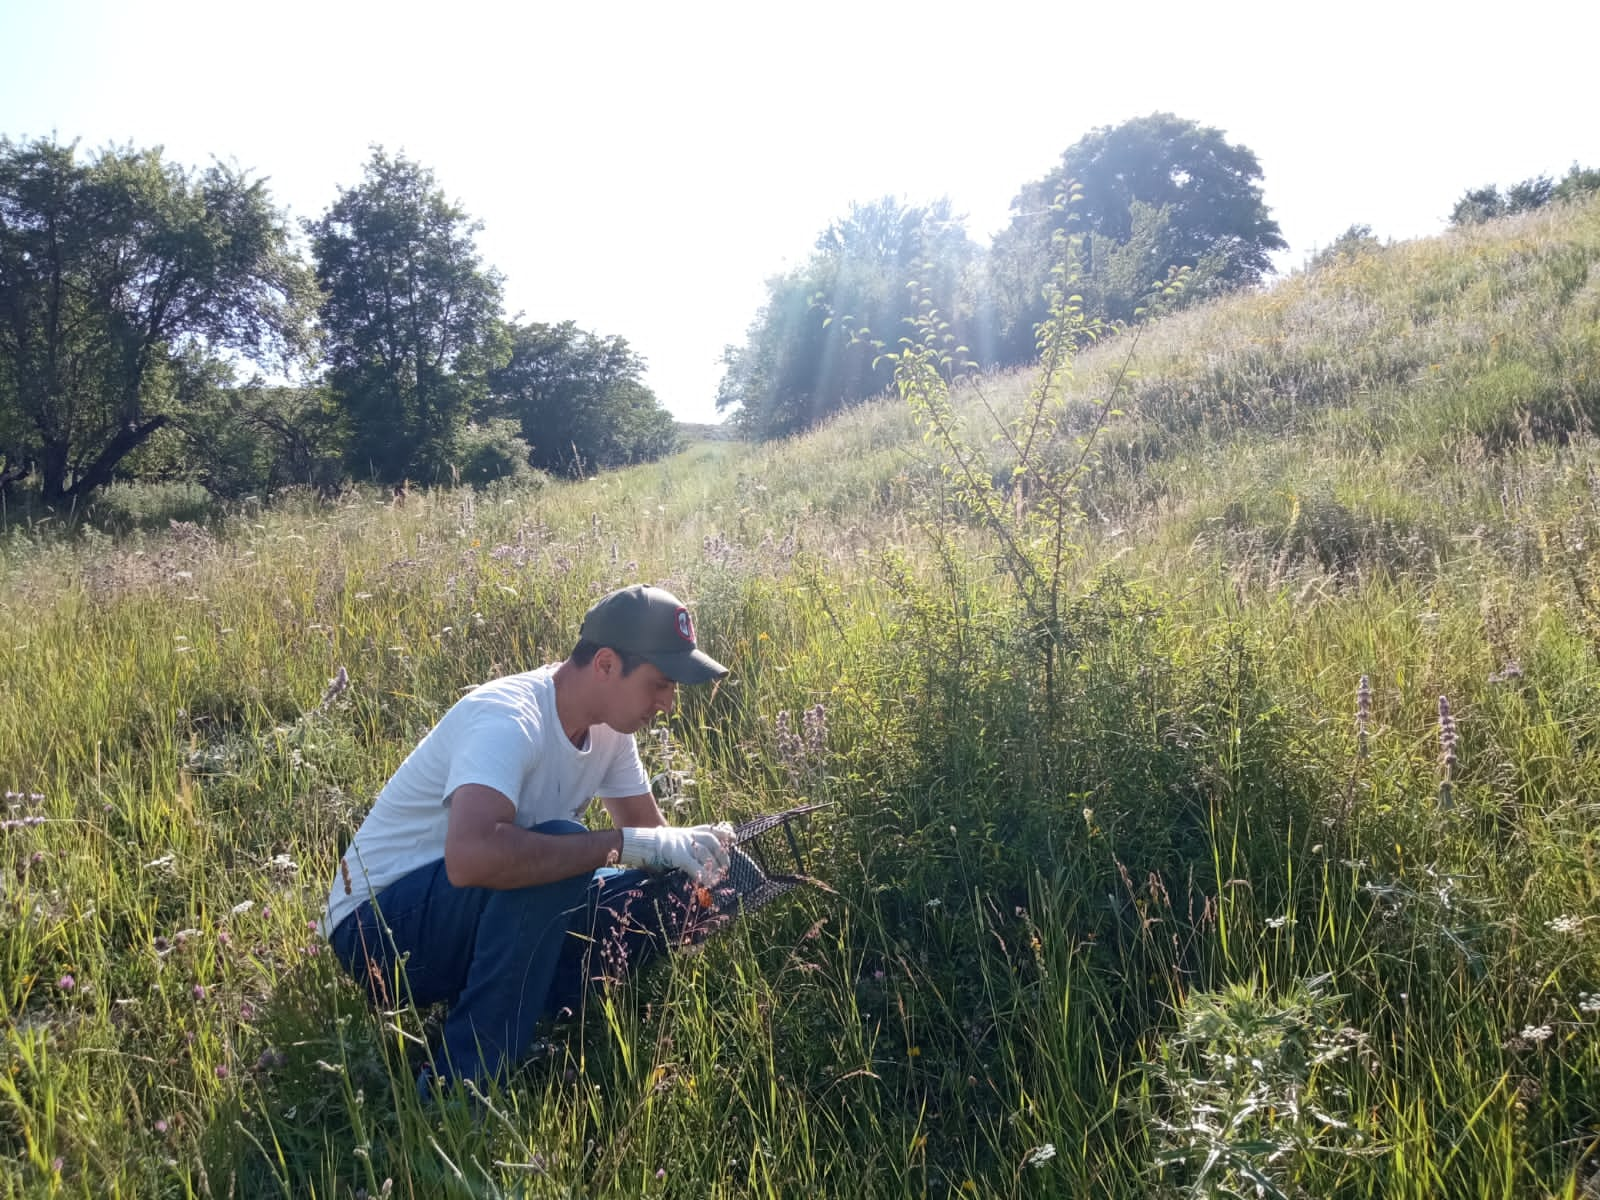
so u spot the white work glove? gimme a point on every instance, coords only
(699, 851)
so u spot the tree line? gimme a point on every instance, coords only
(1128, 209)
(134, 293)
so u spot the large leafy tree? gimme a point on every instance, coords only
(1179, 191)
(815, 346)
(122, 277)
(579, 400)
(411, 317)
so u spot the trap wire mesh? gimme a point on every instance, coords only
(767, 860)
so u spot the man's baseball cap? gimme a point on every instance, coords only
(654, 624)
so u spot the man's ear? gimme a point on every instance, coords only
(605, 662)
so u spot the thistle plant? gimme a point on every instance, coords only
(1244, 1092)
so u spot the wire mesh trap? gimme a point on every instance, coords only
(767, 860)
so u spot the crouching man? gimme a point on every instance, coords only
(464, 881)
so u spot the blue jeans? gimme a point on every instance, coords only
(500, 960)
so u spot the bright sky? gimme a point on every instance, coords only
(641, 169)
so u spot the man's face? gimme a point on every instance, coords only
(637, 697)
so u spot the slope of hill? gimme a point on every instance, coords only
(1238, 838)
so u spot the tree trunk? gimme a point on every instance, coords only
(129, 438)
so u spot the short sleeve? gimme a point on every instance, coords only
(488, 744)
(626, 776)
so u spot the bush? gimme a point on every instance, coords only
(494, 450)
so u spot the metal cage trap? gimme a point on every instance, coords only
(767, 860)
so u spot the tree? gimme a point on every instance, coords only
(411, 317)
(815, 346)
(121, 277)
(1183, 186)
(1487, 203)
(1353, 243)
(579, 400)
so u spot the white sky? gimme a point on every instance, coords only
(642, 169)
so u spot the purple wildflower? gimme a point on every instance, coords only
(66, 983)
(1363, 714)
(1447, 752)
(161, 1127)
(198, 991)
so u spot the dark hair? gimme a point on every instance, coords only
(583, 654)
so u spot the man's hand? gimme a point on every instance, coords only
(699, 851)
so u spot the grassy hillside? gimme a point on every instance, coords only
(1265, 865)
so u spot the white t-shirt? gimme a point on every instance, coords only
(505, 735)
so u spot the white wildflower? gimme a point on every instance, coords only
(1565, 924)
(1536, 1033)
(1039, 1155)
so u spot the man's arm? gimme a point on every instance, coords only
(484, 847)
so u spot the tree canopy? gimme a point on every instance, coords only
(122, 277)
(1176, 191)
(411, 316)
(579, 400)
(812, 348)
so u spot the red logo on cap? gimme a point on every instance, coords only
(685, 626)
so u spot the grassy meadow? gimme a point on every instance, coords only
(1263, 864)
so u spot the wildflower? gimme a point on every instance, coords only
(222, 1071)
(1566, 924)
(224, 937)
(1363, 714)
(816, 727)
(66, 983)
(198, 991)
(247, 1011)
(161, 1127)
(1536, 1033)
(1039, 1155)
(242, 907)
(661, 1172)
(1589, 1002)
(1447, 751)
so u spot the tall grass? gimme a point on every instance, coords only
(1181, 927)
